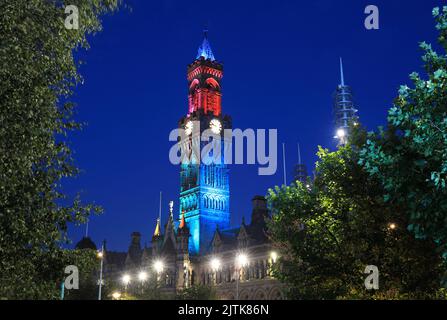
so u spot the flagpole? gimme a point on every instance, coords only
(159, 209)
(284, 162)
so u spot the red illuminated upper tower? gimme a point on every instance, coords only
(204, 77)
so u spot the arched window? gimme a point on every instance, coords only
(194, 84)
(212, 83)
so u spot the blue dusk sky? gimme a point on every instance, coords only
(280, 72)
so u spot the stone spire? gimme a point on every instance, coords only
(157, 228)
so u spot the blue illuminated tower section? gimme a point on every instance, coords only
(204, 187)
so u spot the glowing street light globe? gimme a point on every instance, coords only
(215, 264)
(126, 279)
(273, 256)
(158, 266)
(242, 259)
(142, 276)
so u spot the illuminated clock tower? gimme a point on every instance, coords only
(204, 188)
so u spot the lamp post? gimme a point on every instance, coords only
(101, 257)
(273, 256)
(273, 259)
(126, 280)
(142, 276)
(241, 261)
(158, 267)
(215, 266)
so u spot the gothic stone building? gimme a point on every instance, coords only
(200, 246)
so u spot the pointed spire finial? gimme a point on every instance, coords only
(182, 220)
(342, 76)
(205, 49)
(299, 154)
(157, 228)
(205, 31)
(159, 208)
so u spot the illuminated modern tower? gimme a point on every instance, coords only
(300, 173)
(344, 109)
(204, 187)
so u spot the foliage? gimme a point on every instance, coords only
(151, 290)
(38, 74)
(198, 292)
(88, 265)
(410, 157)
(331, 231)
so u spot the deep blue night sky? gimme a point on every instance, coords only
(281, 69)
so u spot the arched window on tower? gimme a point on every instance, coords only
(194, 84)
(213, 84)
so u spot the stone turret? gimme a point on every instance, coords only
(260, 211)
(135, 251)
(156, 239)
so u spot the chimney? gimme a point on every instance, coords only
(260, 211)
(136, 237)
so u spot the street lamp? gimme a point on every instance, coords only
(392, 226)
(142, 276)
(241, 261)
(274, 256)
(126, 280)
(158, 266)
(215, 266)
(100, 255)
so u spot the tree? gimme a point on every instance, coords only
(410, 156)
(88, 265)
(329, 232)
(38, 74)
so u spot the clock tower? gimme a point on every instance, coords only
(204, 187)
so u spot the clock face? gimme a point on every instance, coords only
(215, 126)
(188, 128)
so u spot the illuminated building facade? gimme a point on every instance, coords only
(200, 248)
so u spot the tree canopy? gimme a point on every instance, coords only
(38, 73)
